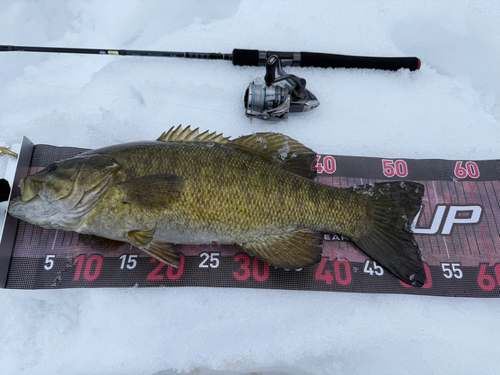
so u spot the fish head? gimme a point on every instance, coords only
(63, 193)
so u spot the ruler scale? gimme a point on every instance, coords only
(458, 230)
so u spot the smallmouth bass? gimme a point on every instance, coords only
(255, 191)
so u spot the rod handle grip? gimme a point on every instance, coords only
(327, 60)
(253, 57)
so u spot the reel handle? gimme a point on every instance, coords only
(255, 57)
(271, 65)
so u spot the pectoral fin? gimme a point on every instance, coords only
(159, 190)
(294, 250)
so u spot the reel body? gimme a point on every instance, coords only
(279, 95)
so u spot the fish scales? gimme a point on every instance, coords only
(234, 197)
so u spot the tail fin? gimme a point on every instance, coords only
(390, 240)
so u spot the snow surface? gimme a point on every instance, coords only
(448, 109)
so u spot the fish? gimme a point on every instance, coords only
(256, 191)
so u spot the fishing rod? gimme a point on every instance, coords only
(249, 57)
(281, 93)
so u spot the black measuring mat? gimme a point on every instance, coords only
(458, 230)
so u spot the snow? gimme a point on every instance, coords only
(449, 109)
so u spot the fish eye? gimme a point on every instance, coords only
(51, 168)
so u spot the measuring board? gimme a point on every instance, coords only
(458, 230)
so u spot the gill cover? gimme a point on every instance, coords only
(61, 194)
(70, 178)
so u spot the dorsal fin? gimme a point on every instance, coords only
(282, 151)
(277, 149)
(187, 135)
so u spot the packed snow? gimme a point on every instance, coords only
(448, 109)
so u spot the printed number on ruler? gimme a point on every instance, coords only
(329, 165)
(258, 274)
(49, 262)
(471, 169)
(375, 270)
(92, 268)
(343, 277)
(209, 260)
(452, 270)
(172, 273)
(486, 281)
(128, 261)
(393, 168)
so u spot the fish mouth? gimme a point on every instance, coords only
(35, 211)
(15, 203)
(21, 208)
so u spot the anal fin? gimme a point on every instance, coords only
(293, 250)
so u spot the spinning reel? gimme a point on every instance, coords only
(279, 96)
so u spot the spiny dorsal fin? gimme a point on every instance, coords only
(187, 135)
(278, 149)
(293, 250)
(282, 151)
